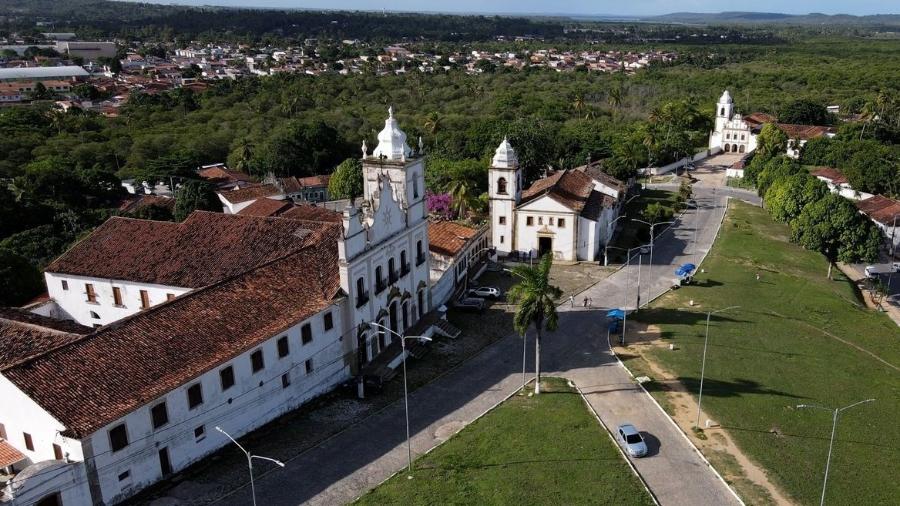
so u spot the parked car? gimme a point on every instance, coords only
(874, 270)
(470, 304)
(490, 292)
(631, 440)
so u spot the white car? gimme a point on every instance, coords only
(631, 440)
(874, 270)
(486, 291)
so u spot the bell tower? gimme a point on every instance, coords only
(505, 191)
(724, 110)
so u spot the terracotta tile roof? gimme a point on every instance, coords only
(315, 180)
(105, 375)
(265, 207)
(294, 184)
(804, 132)
(880, 209)
(448, 238)
(141, 201)
(758, 119)
(836, 176)
(251, 192)
(312, 213)
(24, 334)
(571, 188)
(595, 170)
(223, 175)
(9, 455)
(205, 248)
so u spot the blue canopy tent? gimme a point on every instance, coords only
(685, 270)
(617, 314)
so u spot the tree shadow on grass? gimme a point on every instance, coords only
(719, 388)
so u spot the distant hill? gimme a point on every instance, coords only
(700, 18)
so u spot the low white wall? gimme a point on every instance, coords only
(681, 163)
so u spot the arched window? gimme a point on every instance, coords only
(404, 267)
(392, 272)
(722, 112)
(415, 186)
(741, 148)
(734, 148)
(379, 280)
(501, 186)
(727, 148)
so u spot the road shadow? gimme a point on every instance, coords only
(652, 442)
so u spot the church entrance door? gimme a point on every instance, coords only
(545, 245)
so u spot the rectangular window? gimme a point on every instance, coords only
(199, 432)
(29, 444)
(227, 377)
(117, 296)
(256, 361)
(501, 239)
(551, 220)
(561, 223)
(118, 437)
(124, 476)
(89, 291)
(283, 348)
(285, 380)
(503, 220)
(306, 334)
(195, 395)
(57, 452)
(65, 285)
(145, 299)
(309, 366)
(329, 322)
(529, 221)
(540, 220)
(170, 296)
(159, 414)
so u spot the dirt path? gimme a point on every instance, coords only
(748, 478)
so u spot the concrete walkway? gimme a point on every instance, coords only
(359, 458)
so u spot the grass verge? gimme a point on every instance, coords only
(797, 338)
(544, 449)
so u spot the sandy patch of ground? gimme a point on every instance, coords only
(749, 479)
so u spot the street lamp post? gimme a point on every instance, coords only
(652, 228)
(250, 458)
(834, 419)
(703, 366)
(627, 286)
(405, 390)
(524, 336)
(606, 246)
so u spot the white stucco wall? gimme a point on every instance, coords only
(73, 301)
(19, 415)
(255, 399)
(542, 210)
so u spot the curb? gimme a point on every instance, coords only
(680, 431)
(426, 452)
(616, 444)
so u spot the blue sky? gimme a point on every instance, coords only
(617, 7)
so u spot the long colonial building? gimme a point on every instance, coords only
(222, 320)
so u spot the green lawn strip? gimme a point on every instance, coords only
(544, 449)
(770, 355)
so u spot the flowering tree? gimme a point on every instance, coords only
(439, 204)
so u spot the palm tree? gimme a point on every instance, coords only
(578, 103)
(245, 156)
(615, 97)
(433, 123)
(537, 305)
(461, 192)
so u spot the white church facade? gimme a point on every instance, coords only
(221, 320)
(568, 214)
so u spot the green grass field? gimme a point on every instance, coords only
(545, 449)
(796, 338)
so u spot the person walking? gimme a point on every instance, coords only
(572, 300)
(585, 302)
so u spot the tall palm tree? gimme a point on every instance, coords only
(615, 97)
(537, 305)
(433, 123)
(578, 103)
(461, 192)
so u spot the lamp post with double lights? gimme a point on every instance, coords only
(652, 228)
(405, 390)
(250, 458)
(834, 419)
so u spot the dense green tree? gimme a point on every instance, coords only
(300, 148)
(22, 280)
(440, 173)
(787, 196)
(775, 168)
(833, 227)
(536, 299)
(346, 180)
(195, 196)
(805, 112)
(771, 141)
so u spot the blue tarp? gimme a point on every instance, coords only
(618, 314)
(685, 270)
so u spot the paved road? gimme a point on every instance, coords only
(356, 460)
